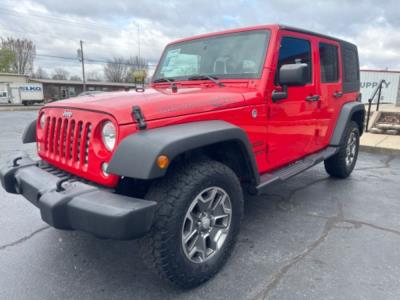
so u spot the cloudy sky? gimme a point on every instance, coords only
(110, 28)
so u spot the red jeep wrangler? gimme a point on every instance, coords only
(227, 113)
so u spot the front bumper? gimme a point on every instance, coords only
(69, 204)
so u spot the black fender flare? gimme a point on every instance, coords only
(345, 116)
(29, 134)
(136, 155)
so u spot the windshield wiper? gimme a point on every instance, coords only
(170, 80)
(205, 77)
(164, 79)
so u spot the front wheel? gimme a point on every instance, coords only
(200, 206)
(343, 162)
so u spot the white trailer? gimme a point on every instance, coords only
(390, 88)
(26, 93)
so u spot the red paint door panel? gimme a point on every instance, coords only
(330, 90)
(291, 122)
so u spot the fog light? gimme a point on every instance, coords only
(162, 161)
(104, 167)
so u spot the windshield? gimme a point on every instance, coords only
(238, 55)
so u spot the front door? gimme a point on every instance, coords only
(291, 123)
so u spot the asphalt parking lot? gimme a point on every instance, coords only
(312, 237)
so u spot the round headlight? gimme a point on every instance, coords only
(42, 120)
(108, 135)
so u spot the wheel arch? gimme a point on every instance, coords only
(29, 134)
(136, 155)
(358, 117)
(351, 111)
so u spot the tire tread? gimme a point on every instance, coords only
(154, 247)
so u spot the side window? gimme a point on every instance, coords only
(295, 51)
(350, 67)
(350, 62)
(328, 57)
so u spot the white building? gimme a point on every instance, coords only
(390, 88)
(18, 89)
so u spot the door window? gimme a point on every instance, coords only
(295, 51)
(328, 57)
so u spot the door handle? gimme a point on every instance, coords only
(312, 98)
(337, 94)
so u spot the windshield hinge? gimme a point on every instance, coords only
(138, 116)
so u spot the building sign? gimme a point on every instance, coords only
(374, 84)
(390, 87)
(30, 88)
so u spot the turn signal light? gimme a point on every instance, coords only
(162, 161)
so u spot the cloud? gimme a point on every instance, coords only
(110, 28)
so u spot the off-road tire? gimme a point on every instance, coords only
(162, 248)
(336, 165)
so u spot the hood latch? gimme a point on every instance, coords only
(138, 116)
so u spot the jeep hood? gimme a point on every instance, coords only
(156, 103)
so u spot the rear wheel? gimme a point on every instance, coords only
(343, 162)
(200, 206)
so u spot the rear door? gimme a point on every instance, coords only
(291, 123)
(330, 90)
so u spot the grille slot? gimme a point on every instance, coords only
(68, 140)
(61, 174)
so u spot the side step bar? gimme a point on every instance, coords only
(295, 168)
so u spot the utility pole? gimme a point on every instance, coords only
(138, 36)
(81, 58)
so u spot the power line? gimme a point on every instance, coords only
(27, 32)
(90, 60)
(54, 36)
(58, 20)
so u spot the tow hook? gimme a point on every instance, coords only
(16, 160)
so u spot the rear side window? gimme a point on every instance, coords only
(351, 69)
(350, 65)
(295, 51)
(329, 61)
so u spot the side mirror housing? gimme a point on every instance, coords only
(293, 75)
(290, 75)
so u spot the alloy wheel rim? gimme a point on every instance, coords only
(206, 224)
(351, 148)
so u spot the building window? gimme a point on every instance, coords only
(71, 91)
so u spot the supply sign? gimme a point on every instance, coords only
(390, 87)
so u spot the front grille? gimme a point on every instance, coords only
(67, 140)
(63, 175)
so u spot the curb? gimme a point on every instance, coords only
(372, 149)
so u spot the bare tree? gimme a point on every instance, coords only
(137, 69)
(60, 74)
(94, 76)
(75, 78)
(7, 58)
(40, 74)
(116, 70)
(24, 51)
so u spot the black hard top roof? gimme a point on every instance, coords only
(300, 30)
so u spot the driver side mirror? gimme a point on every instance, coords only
(290, 75)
